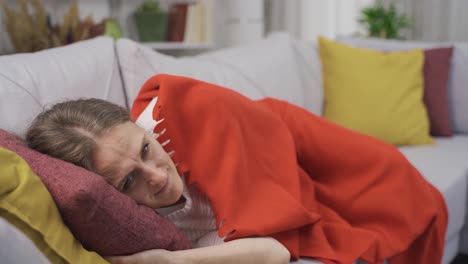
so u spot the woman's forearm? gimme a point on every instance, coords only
(245, 251)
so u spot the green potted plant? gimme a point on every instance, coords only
(151, 21)
(383, 21)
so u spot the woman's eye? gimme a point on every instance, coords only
(127, 184)
(145, 150)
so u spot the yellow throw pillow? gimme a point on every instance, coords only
(26, 203)
(376, 93)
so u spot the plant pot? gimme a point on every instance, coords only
(151, 26)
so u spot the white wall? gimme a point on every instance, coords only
(238, 22)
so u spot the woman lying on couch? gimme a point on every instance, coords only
(250, 181)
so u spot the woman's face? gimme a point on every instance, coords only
(137, 165)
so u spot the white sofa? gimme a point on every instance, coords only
(277, 67)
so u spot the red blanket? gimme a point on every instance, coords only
(273, 169)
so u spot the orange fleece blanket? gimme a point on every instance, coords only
(270, 168)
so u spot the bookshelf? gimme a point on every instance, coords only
(225, 22)
(194, 33)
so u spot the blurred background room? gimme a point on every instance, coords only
(192, 26)
(285, 66)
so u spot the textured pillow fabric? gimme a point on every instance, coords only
(436, 77)
(376, 93)
(26, 203)
(103, 219)
(458, 80)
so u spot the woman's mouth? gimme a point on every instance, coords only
(164, 187)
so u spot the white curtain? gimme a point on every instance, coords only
(307, 19)
(431, 20)
(436, 20)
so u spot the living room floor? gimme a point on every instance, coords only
(460, 259)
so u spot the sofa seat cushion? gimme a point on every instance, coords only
(17, 247)
(445, 165)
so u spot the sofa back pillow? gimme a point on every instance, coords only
(436, 98)
(376, 93)
(458, 79)
(103, 219)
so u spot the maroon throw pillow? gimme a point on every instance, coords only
(436, 77)
(100, 217)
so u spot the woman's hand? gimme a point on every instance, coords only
(260, 250)
(254, 250)
(155, 256)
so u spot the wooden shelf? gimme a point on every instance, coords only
(178, 45)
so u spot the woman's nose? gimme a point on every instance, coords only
(155, 176)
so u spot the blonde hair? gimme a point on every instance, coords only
(69, 130)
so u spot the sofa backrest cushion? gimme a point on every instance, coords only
(277, 66)
(28, 82)
(100, 217)
(458, 80)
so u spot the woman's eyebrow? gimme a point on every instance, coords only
(137, 156)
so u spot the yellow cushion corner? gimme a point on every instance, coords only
(26, 203)
(376, 93)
